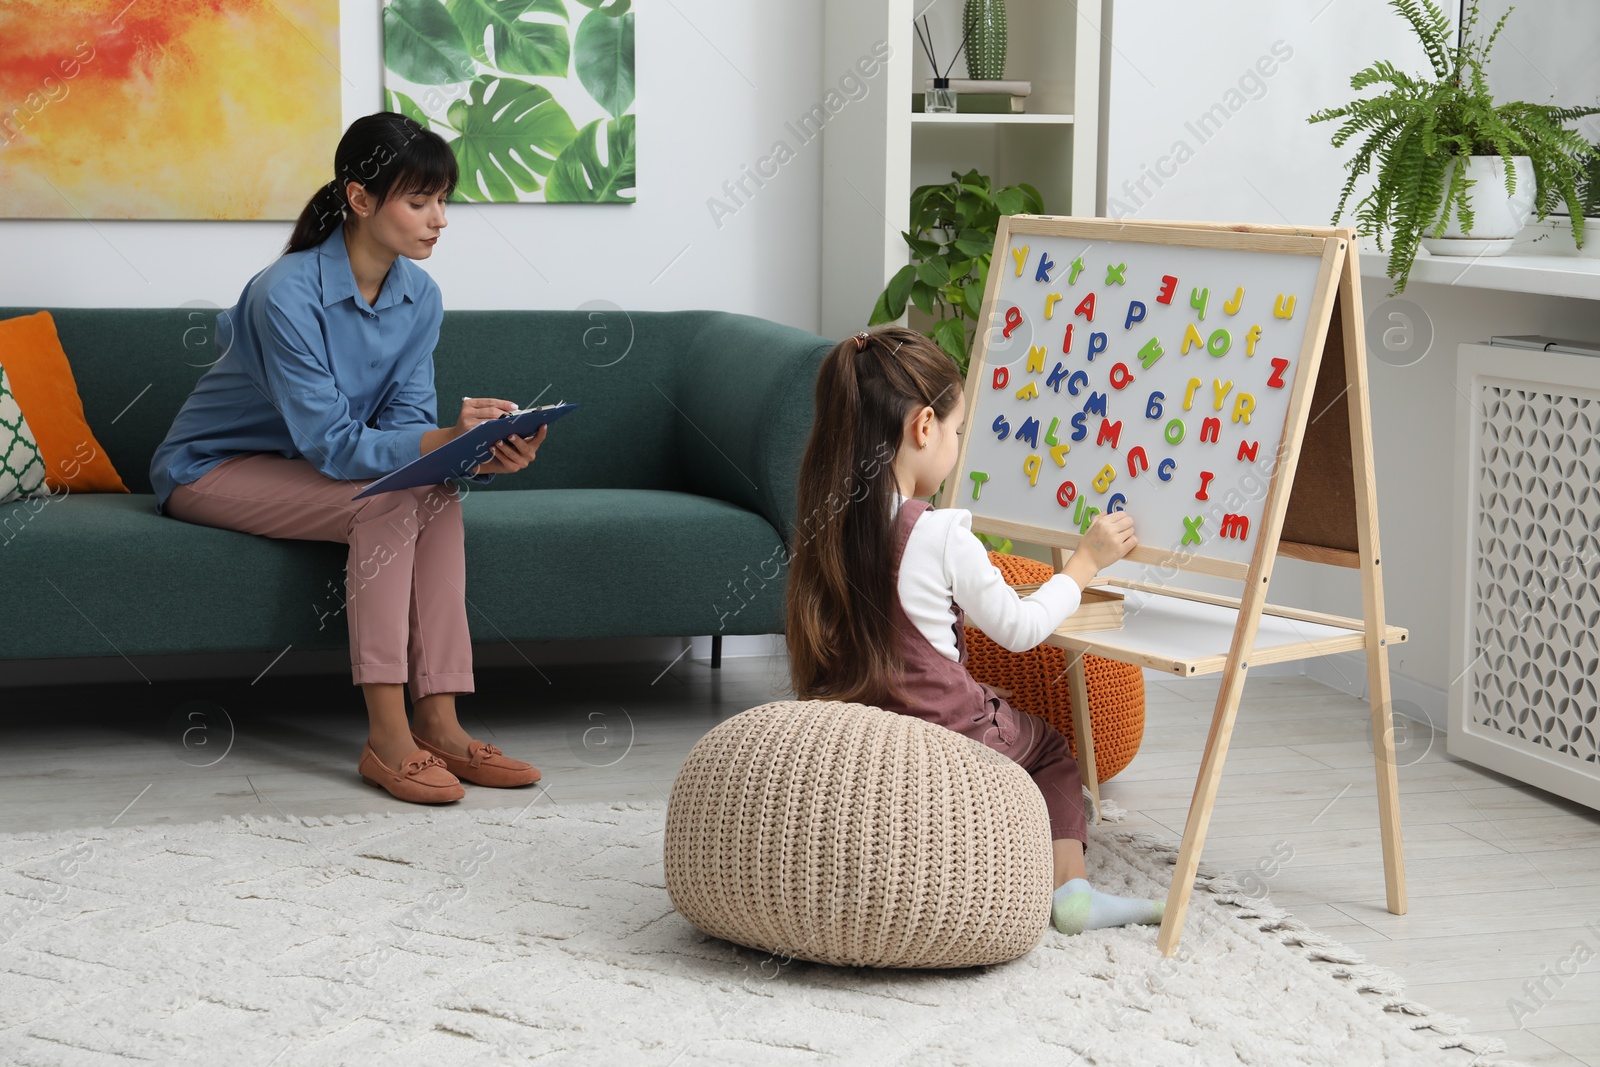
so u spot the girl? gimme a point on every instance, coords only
(880, 584)
(326, 381)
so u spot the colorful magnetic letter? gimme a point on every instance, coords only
(1149, 353)
(1191, 529)
(1188, 394)
(1078, 379)
(1191, 339)
(1029, 432)
(1136, 310)
(1077, 269)
(1211, 426)
(1250, 338)
(1050, 434)
(1137, 461)
(1096, 404)
(1232, 306)
(1110, 429)
(1059, 453)
(1088, 518)
(1103, 480)
(1278, 367)
(1001, 427)
(1030, 467)
(1050, 305)
(1114, 274)
(1198, 299)
(1066, 342)
(1118, 502)
(1174, 432)
(1066, 493)
(1028, 392)
(1169, 285)
(1056, 377)
(1152, 407)
(1120, 378)
(1165, 468)
(1035, 359)
(1205, 480)
(1219, 342)
(1097, 344)
(1079, 430)
(1046, 265)
(1243, 405)
(1013, 320)
(1248, 450)
(1282, 309)
(1085, 307)
(1021, 256)
(1235, 526)
(1002, 375)
(1220, 390)
(978, 478)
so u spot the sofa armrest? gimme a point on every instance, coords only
(744, 394)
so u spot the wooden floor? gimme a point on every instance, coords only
(1503, 878)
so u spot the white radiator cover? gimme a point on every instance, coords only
(1525, 652)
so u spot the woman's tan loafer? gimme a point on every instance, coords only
(484, 764)
(422, 778)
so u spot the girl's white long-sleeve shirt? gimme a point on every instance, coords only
(944, 562)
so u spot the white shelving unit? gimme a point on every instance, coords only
(876, 151)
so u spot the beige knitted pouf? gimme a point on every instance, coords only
(846, 834)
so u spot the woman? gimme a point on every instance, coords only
(327, 381)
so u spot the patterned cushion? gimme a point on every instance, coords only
(21, 467)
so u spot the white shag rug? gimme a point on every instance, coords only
(545, 935)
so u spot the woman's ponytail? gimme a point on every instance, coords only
(388, 154)
(322, 215)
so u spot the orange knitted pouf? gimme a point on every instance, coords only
(1037, 680)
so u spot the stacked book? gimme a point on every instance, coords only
(974, 97)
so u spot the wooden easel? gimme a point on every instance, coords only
(1330, 517)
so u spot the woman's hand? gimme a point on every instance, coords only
(513, 453)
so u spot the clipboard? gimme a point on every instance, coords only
(458, 458)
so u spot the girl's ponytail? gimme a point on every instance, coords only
(841, 590)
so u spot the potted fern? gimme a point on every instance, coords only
(1454, 171)
(952, 237)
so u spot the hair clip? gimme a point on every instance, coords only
(861, 340)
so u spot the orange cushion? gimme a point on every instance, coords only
(42, 381)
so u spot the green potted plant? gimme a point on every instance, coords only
(952, 237)
(1453, 170)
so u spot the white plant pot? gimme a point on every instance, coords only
(1496, 217)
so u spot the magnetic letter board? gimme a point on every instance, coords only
(1152, 368)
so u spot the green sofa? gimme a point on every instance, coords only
(660, 508)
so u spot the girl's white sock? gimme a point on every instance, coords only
(1077, 906)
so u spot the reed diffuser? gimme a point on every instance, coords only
(940, 100)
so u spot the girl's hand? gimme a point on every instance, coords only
(1109, 539)
(513, 453)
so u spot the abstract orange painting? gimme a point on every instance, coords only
(166, 109)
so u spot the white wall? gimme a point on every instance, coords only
(717, 81)
(1170, 62)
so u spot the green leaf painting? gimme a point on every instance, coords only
(579, 176)
(605, 59)
(534, 97)
(511, 133)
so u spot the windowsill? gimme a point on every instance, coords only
(1543, 261)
